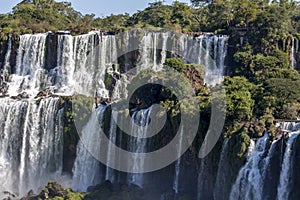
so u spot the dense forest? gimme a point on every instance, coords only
(261, 82)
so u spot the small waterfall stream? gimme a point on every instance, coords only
(221, 179)
(7, 57)
(285, 175)
(86, 171)
(292, 54)
(178, 162)
(248, 184)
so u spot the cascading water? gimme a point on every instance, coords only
(110, 175)
(257, 179)
(285, 175)
(151, 45)
(292, 54)
(82, 60)
(31, 151)
(65, 69)
(86, 171)
(248, 184)
(30, 63)
(211, 51)
(29, 157)
(177, 164)
(7, 57)
(221, 174)
(83, 175)
(31, 134)
(138, 144)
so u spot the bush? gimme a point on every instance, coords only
(175, 63)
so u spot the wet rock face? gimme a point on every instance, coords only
(273, 173)
(51, 52)
(297, 61)
(295, 193)
(145, 96)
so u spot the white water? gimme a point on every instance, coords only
(210, 51)
(29, 75)
(248, 184)
(65, 69)
(86, 170)
(110, 175)
(221, 176)
(178, 161)
(292, 54)
(7, 57)
(83, 175)
(83, 60)
(138, 144)
(30, 131)
(29, 157)
(285, 175)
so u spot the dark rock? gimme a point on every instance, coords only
(51, 51)
(107, 185)
(21, 96)
(55, 190)
(9, 194)
(30, 193)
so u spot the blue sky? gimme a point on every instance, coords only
(98, 7)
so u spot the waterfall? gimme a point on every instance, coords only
(30, 63)
(31, 54)
(203, 179)
(138, 144)
(81, 64)
(208, 50)
(31, 148)
(215, 68)
(211, 51)
(86, 171)
(177, 163)
(221, 179)
(31, 131)
(248, 184)
(288, 126)
(110, 175)
(64, 71)
(285, 175)
(83, 60)
(83, 176)
(153, 49)
(7, 58)
(119, 91)
(292, 54)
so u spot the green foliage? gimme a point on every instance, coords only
(286, 97)
(239, 100)
(243, 60)
(114, 22)
(40, 16)
(175, 63)
(77, 111)
(178, 16)
(74, 195)
(239, 143)
(54, 191)
(184, 83)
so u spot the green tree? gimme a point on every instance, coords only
(239, 100)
